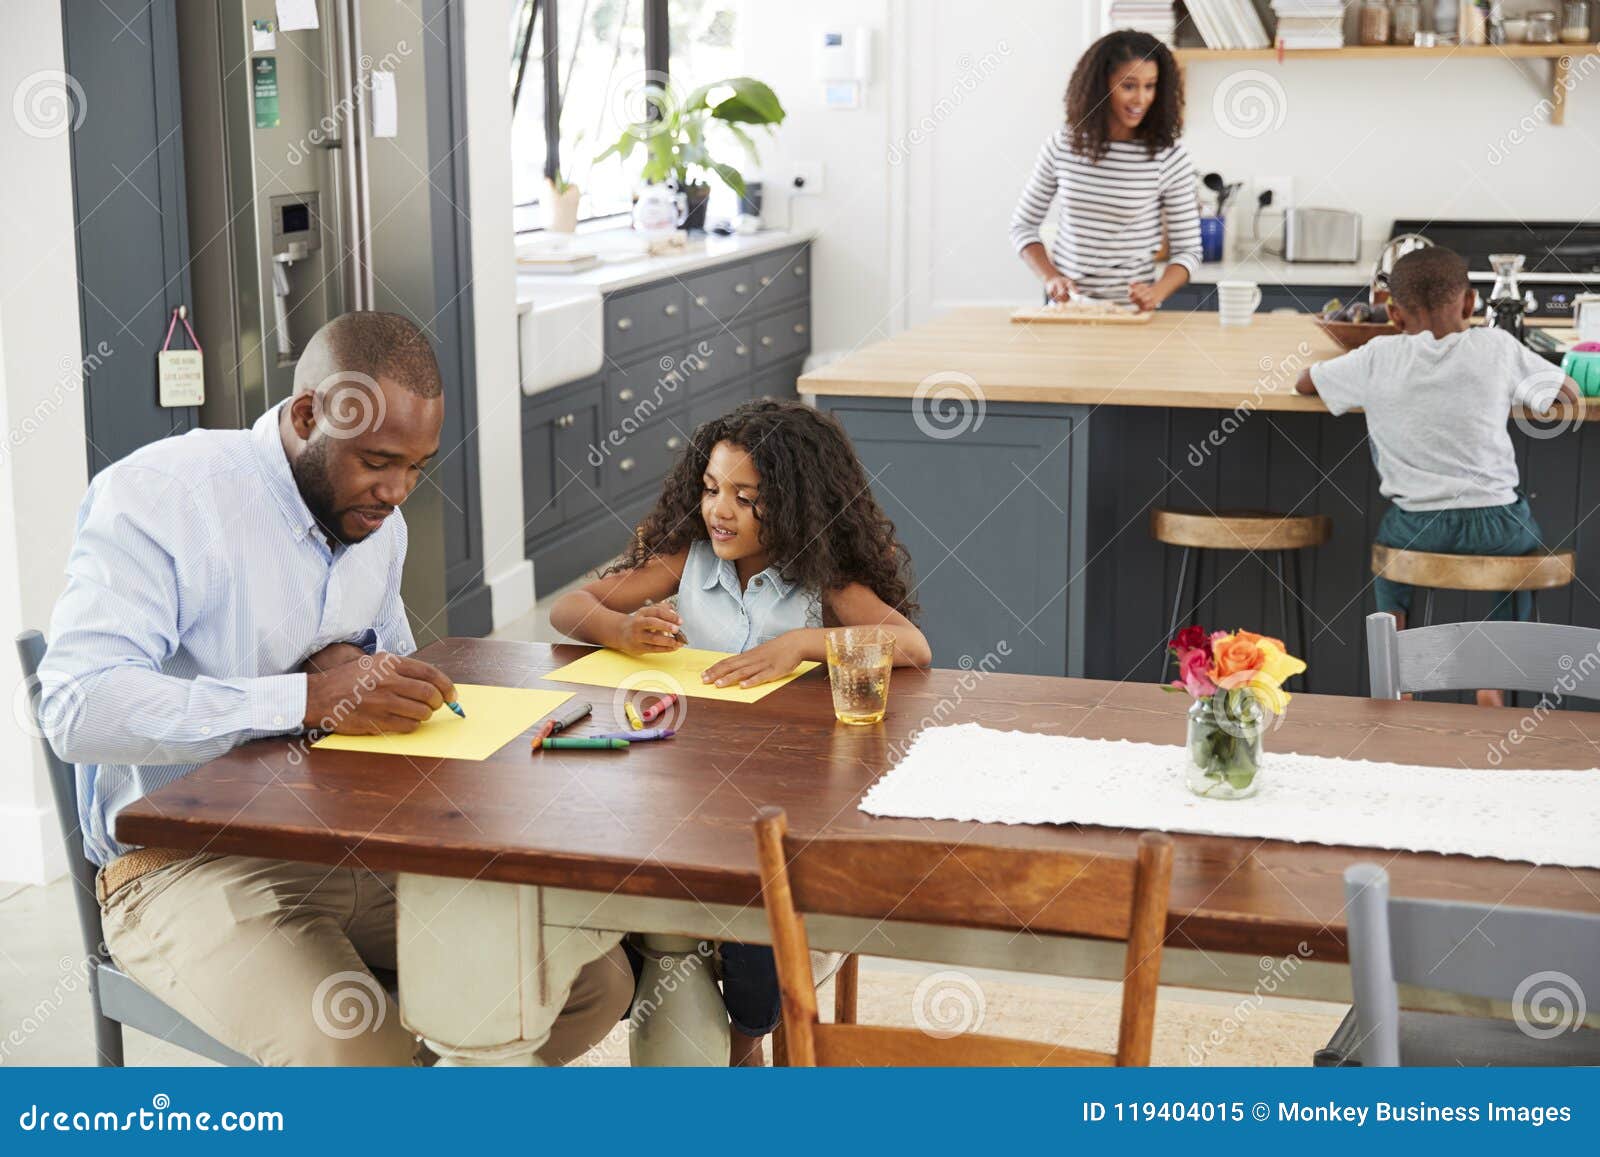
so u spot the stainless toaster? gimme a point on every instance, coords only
(1321, 235)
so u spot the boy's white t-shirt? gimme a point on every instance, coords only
(1437, 409)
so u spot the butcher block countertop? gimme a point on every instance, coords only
(1180, 359)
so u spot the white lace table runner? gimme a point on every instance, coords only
(970, 772)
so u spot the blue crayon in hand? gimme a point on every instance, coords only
(456, 707)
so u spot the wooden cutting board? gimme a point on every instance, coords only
(1059, 316)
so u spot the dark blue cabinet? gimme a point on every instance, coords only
(983, 505)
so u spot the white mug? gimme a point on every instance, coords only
(1236, 301)
(1586, 316)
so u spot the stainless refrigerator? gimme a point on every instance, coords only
(306, 173)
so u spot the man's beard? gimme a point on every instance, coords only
(310, 472)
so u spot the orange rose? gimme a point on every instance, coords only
(1236, 655)
(1252, 637)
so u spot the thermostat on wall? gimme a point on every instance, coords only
(844, 64)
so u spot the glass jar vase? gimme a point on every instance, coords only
(1225, 745)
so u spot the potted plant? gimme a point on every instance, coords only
(558, 208)
(675, 138)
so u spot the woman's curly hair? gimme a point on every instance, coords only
(820, 523)
(1088, 97)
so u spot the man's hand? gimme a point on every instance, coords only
(771, 660)
(331, 656)
(379, 694)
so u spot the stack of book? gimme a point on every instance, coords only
(1310, 23)
(1228, 23)
(1153, 16)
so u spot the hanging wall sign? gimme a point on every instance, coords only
(180, 373)
(264, 70)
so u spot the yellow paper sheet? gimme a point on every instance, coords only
(495, 716)
(677, 672)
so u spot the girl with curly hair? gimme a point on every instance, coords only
(1117, 166)
(767, 533)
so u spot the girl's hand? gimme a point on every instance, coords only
(771, 660)
(1145, 296)
(1059, 288)
(653, 629)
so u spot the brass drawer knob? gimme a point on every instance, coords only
(671, 309)
(741, 289)
(626, 464)
(799, 327)
(700, 300)
(674, 443)
(766, 339)
(741, 350)
(624, 323)
(625, 395)
(765, 281)
(799, 270)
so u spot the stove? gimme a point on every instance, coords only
(1563, 256)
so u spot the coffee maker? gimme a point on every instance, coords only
(1507, 305)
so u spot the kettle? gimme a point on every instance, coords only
(658, 210)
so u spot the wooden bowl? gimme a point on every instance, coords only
(1354, 334)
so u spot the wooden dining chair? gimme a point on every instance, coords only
(1541, 658)
(1047, 893)
(1545, 960)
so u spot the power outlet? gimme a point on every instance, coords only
(1282, 189)
(804, 179)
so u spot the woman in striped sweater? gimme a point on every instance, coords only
(1118, 167)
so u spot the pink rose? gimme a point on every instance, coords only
(1194, 674)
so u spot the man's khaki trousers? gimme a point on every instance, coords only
(273, 959)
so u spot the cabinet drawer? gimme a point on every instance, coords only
(783, 336)
(778, 382)
(714, 405)
(782, 276)
(642, 318)
(719, 358)
(716, 297)
(644, 457)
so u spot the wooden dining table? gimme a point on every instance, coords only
(516, 871)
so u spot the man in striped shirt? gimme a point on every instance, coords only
(1119, 170)
(234, 584)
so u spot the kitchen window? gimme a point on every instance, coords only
(578, 71)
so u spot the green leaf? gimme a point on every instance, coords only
(752, 102)
(730, 176)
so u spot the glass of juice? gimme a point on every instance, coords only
(859, 662)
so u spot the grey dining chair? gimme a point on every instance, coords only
(117, 999)
(1541, 658)
(1543, 960)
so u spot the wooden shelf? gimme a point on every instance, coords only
(1560, 57)
(1391, 52)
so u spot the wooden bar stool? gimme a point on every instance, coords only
(1256, 531)
(1495, 573)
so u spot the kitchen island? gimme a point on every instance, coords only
(1020, 464)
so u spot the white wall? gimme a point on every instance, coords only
(43, 464)
(494, 274)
